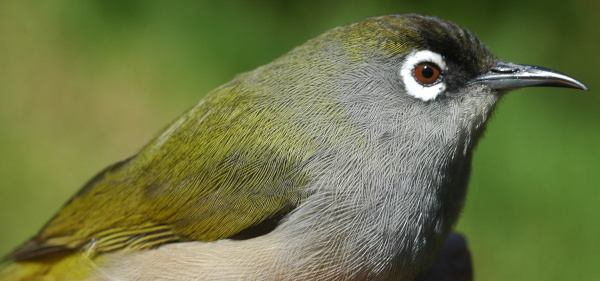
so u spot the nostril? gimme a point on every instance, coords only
(504, 68)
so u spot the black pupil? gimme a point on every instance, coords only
(427, 72)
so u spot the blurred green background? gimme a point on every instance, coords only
(84, 84)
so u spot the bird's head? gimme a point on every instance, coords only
(414, 73)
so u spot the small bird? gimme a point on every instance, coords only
(347, 158)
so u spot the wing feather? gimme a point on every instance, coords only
(220, 169)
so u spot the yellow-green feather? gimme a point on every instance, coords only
(218, 170)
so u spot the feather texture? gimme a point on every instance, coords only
(319, 162)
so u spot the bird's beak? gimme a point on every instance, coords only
(506, 75)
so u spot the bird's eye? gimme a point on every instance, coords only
(423, 73)
(427, 73)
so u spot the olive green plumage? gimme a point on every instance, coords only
(196, 181)
(325, 153)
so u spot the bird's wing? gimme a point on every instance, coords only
(222, 170)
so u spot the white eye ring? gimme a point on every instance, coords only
(411, 85)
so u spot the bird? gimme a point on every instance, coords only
(347, 158)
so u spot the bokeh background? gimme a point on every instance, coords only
(86, 83)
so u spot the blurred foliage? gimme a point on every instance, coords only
(85, 83)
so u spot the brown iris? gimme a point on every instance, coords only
(427, 73)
